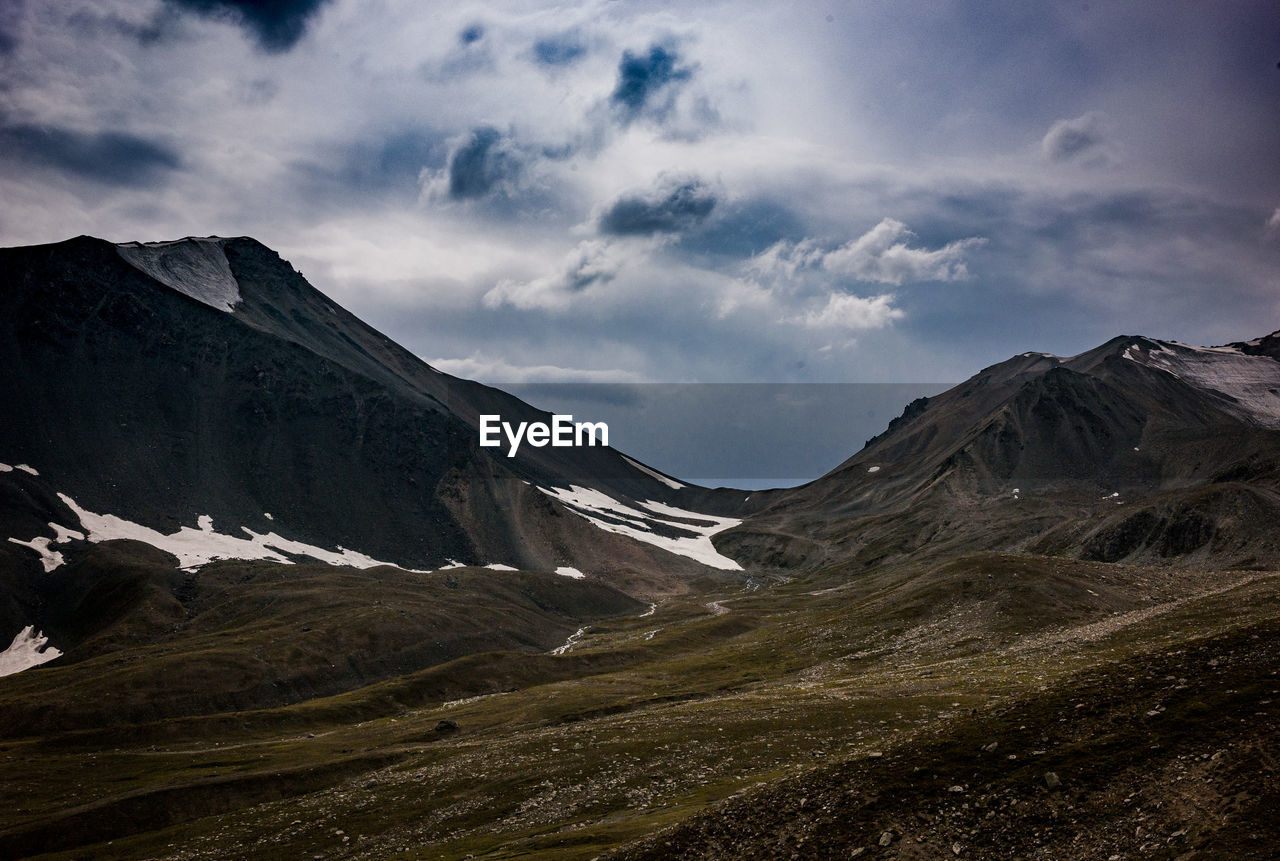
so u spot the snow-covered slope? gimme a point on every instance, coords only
(196, 267)
(1251, 384)
(193, 547)
(685, 533)
(196, 547)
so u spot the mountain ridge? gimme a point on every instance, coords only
(274, 425)
(1039, 438)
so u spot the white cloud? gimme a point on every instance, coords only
(593, 262)
(796, 282)
(1273, 223)
(843, 311)
(782, 261)
(881, 255)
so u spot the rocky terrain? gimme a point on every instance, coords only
(793, 724)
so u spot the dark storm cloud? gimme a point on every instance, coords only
(1066, 143)
(111, 158)
(823, 130)
(394, 161)
(1062, 269)
(647, 82)
(586, 272)
(1141, 217)
(481, 163)
(10, 13)
(563, 49)
(743, 229)
(372, 169)
(8, 40)
(278, 25)
(1092, 238)
(674, 207)
(91, 23)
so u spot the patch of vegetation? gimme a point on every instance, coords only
(808, 716)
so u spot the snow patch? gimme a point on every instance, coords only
(50, 559)
(62, 534)
(199, 546)
(591, 504)
(498, 566)
(1251, 384)
(566, 571)
(28, 649)
(267, 515)
(872, 469)
(342, 556)
(195, 267)
(4, 467)
(571, 642)
(669, 482)
(27, 469)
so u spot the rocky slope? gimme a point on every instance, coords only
(166, 381)
(200, 396)
(1136, 449)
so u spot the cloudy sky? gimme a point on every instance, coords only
(686, 192)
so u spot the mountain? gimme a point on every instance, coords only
(1139, 448)
(205, 377)
(259, 584)
(201, 398)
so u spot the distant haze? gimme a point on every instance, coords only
(749, 435)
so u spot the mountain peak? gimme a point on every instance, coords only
(196, 267)
(1267, 345)
(1247, 380)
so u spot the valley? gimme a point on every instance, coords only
(792, 719)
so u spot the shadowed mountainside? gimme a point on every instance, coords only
(171, 381)
(1138, 449)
